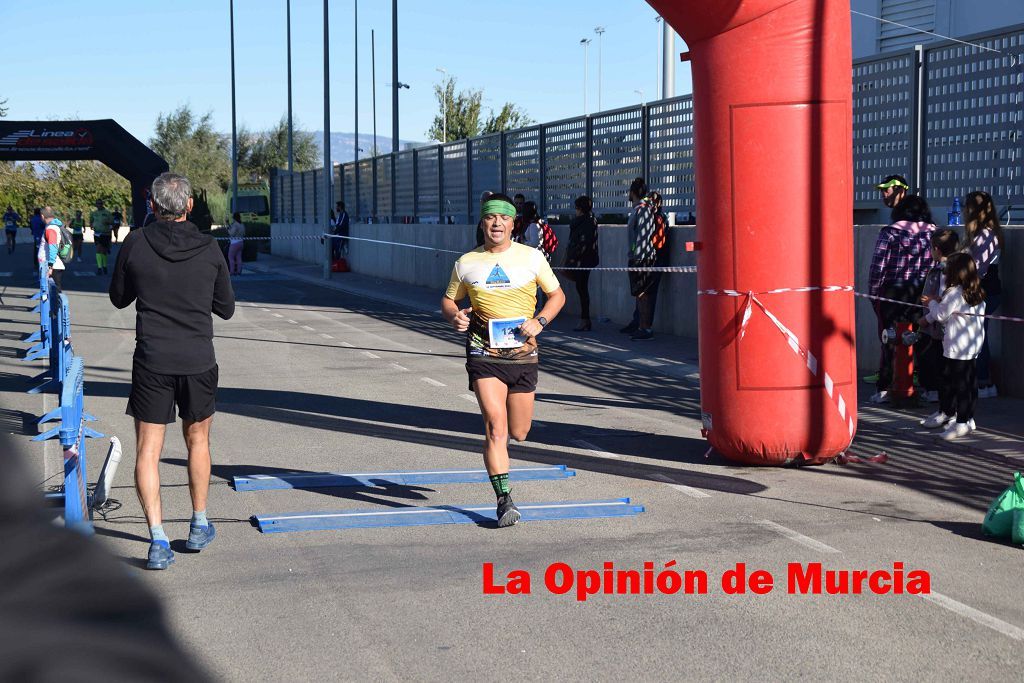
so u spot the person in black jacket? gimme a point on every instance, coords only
(582, 253)
(177, 277)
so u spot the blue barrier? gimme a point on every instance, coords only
(72, 434)
(42, 349)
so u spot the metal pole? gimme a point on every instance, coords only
(668, 70)
(586, 70)
(373, 77)
(661, 57)
(394, 79)
(291, 156)
(325, 213)
(234, 130)
(600, 53)
(373, 85)
(355, 43)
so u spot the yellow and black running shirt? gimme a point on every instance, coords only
(500, 285)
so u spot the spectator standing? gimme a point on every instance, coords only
(339, 247)
(236, 237)
(961, 310)
(77, 229)
(643, 227)
(894, 189)
(177, 277)
(929, 360)
(530, 235)
(38, 226)
(100, 221)
(116, 218)
(983, 239)
(582, 252)
(900, 263)
(50, 248)
(11, 220)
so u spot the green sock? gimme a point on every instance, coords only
(99, 260)
(499, 482)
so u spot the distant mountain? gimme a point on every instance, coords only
(343, 147)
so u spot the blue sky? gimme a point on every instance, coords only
(131, 60)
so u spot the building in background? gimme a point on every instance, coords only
(955, 18)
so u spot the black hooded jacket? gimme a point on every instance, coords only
(177, 276)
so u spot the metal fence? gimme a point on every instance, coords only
(947, 116)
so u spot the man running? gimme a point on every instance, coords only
(100, 221)
(501, 279)
(77, 230)
(11, 219)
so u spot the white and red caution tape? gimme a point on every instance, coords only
(810, 360)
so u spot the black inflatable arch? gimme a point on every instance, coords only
(102, 140)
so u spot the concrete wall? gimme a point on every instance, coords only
(609, 291)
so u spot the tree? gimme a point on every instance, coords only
(460, 114)
(258, 153)
(193, 148)
(509, 118)
(3, 108)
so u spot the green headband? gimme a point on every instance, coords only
(892, 183)
(497, 206)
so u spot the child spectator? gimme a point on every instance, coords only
(929, 360)
(961, 310)
(983, 239)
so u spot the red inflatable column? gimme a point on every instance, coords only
(772, 83)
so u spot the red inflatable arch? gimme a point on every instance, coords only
(772, 91)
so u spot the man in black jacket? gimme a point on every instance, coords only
(176, 276)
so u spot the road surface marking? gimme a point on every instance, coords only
(370, 355)
(797, 537)
(599, 452)
(432, 382)
(977, 616)
(682, 488)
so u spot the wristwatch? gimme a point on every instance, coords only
(542, 320)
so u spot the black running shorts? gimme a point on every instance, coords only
(154, 396)
(520, 378)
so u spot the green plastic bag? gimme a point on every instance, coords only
(1005, 517)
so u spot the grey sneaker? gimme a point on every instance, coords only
(200, 536)
(160, 556)
(507, 514)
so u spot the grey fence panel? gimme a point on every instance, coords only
(973, 113)
(309, 197)
(276, 195)
(486, 165)
(428, 193)
(339, 184)
(617, 150)
(348, 172)
(565, 165)
(522, 163)
(384, 185)
(883, 122)
(365, 207)
(456, 184)
(671, 168)
(405, 200)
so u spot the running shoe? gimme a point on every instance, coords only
(880, 397)
(988, 392)
(870, 379)
(936, 420)
(642, 335)
(508, 514)
(955, 430)
(160, 556)
(200, 536)
(630, 328)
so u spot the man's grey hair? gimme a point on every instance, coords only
(171, 193)
(48, 212)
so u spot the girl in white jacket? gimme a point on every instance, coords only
(961, 309)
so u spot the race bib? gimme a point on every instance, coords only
(504, 333)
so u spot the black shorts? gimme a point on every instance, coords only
(520, 378)
(102, 241)
(154, 396)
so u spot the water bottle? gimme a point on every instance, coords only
(953, 218)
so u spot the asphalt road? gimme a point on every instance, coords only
(319, 380)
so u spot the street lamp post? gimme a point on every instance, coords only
(585, 42)
(640, 92)
(599, 30)
(657, 20)
(444, 105)
(234, 132)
